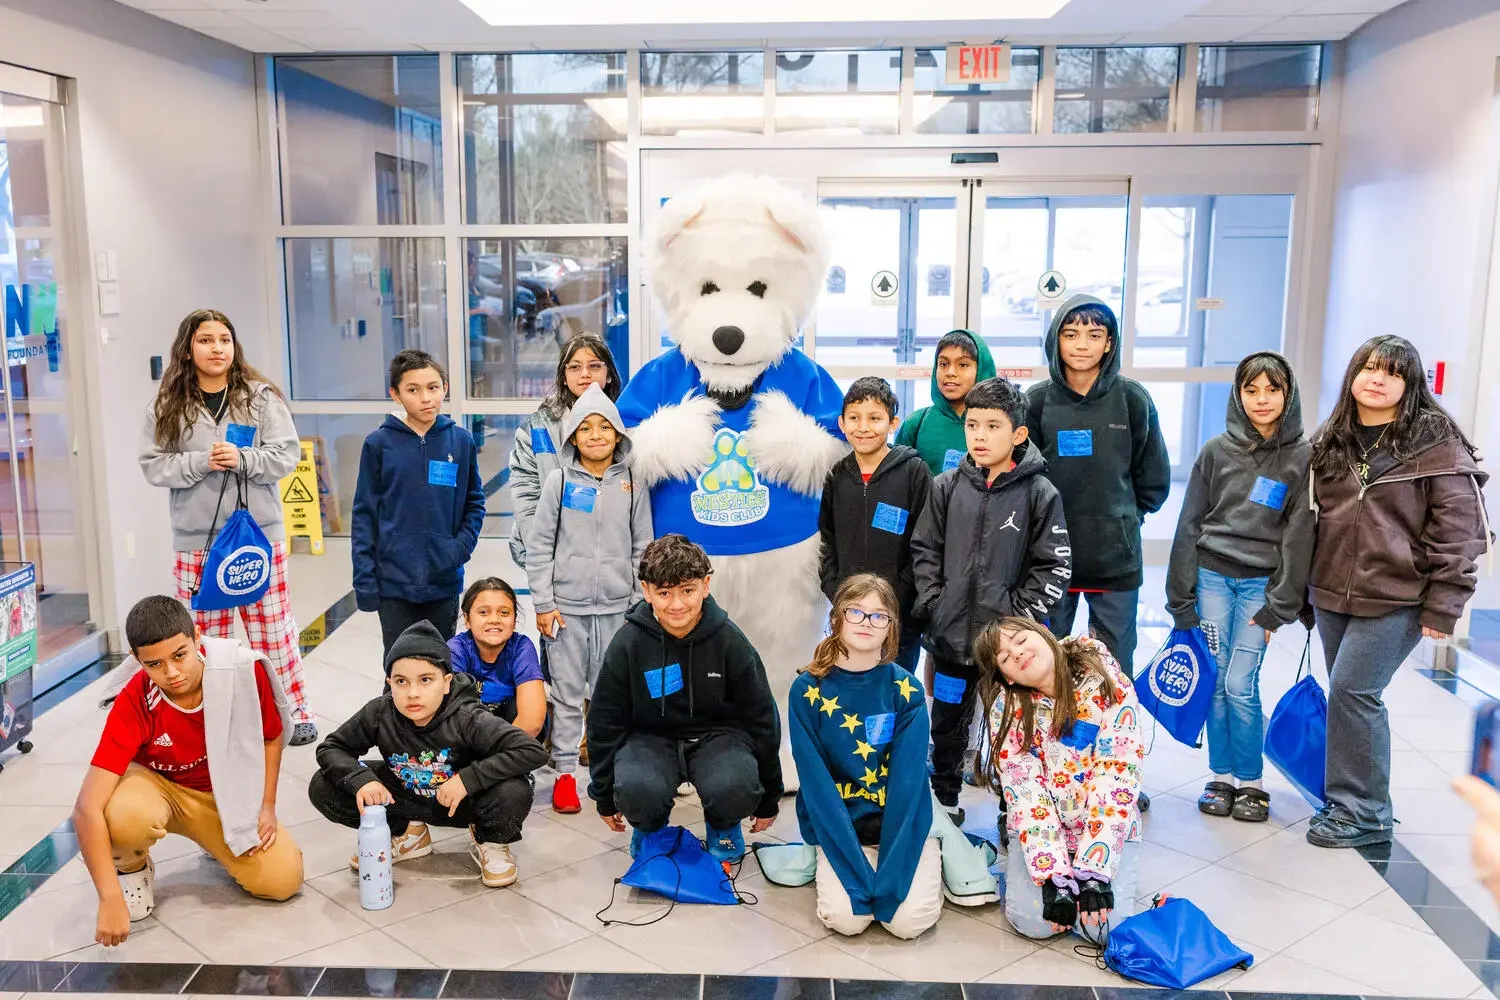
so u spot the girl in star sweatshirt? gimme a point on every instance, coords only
(859, 734)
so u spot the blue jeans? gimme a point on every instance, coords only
(1236, 728)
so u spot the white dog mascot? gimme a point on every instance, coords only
(734, 429)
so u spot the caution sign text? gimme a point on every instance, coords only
(300, 509)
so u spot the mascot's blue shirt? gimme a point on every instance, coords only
(728, 509)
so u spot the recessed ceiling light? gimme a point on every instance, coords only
(507, 13)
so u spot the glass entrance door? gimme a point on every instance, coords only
(40, 485)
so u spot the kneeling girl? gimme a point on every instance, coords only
(859, 731)
(1064, 753)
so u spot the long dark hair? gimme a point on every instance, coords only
(561, 399)
(826, 655)
(1420, 418)
(178, 400)
(1073, 661)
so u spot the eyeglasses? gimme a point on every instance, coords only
(593, 368)
(877, 619)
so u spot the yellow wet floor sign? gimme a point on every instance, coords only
(300, 509)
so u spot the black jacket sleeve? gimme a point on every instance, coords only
(338, 755)
(1286, 591)
(1049, 565)
(501, 750)
(1150, 465)
(927, 545)
(750, 692)
(608, 721)
(1034, 404)
(828, 565)
(918, 489)
(1182, 566)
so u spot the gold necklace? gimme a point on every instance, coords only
(1364, 455)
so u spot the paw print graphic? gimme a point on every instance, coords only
(731, 469)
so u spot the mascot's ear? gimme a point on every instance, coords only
(678, 215)
(794, 218)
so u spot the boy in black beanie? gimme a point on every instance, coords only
(444, 760)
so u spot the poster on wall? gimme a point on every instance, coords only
(18, 634)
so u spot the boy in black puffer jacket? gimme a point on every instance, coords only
(992, 542)
(872, 501)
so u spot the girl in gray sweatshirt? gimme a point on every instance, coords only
(582, 553)
(215, 420)
(1239, 566)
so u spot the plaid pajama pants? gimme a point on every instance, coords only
(268, 623)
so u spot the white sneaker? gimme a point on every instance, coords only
(140, 891)
(497, 866)
(416, 842)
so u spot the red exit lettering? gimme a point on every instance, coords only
(978, 63)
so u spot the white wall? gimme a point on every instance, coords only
(1415, 190)
(166, 145)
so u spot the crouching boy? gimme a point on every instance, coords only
(445, 761)
(191, 746)
(683, 696)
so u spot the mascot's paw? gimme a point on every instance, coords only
(675, 442)
(788, 446)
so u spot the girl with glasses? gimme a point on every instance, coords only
(502, 662)
(585, 360)
(859, 732)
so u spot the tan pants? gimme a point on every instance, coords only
(145, 807)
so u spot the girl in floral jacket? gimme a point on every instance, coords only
(1064, 752)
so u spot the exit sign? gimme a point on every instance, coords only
(978, 64)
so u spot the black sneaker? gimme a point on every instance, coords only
(304, 733)
(1143, 802)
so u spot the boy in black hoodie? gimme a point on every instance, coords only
(444, 760)
(1100, 436)
(991, 543)
(682, 696)
(872, 500)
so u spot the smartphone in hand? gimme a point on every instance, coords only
(1485, 762)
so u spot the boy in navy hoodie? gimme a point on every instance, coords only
(871, 501)
(418, 506)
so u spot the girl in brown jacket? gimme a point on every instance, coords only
(1400, 524)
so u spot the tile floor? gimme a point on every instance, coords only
(1318, 922)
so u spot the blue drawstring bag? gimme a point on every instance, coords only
(1177, 686)
(675, 864)
(1297, 735)
(1173, 945)
(237, 568)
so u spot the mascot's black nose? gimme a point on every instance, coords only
(729, 339)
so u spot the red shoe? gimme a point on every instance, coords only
(565, 795)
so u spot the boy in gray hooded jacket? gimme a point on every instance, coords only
(586, 539)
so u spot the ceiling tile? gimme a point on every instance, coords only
(162, 5)
(281, 19)
(346, 40)
(255, 39)
(1256, 8)
(1326, 25)
(201, 19)
(1370, 7)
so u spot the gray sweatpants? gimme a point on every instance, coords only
(1363, 655)
(573, 659)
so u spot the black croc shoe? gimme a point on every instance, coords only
(1251, 805)
(1217, 798)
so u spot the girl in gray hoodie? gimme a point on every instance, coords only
(582, 552)
(1239, 566)
(216, 419)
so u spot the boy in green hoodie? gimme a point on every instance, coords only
(1102, 441)
(937, 431)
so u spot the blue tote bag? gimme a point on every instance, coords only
(1177, 686)
(1173, 945)
(237, 568)
(1297, 735)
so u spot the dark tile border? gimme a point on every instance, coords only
(478, 984)
(127, 977)
(254, 980)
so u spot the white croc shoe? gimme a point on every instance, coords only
(140, 891)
